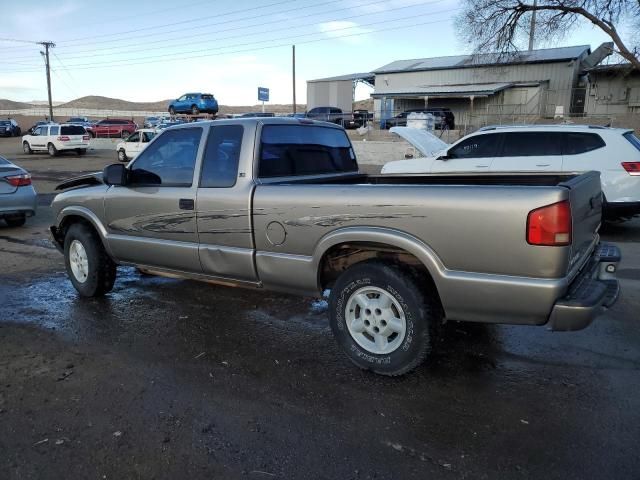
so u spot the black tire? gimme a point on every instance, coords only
(420, 308)
(172, 111)
(195, 110)
(53, 151)
(101, 273)
(26, 148)
(16, 220)
(81, 151)
(122, 155)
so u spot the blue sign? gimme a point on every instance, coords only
(263, 94)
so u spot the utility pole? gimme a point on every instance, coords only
(293, 52)
(45, 54)
(532, 28)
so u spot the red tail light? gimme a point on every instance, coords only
(86, 137)
(19, 180)
(550, 225)
(63, 138)
(632, 168)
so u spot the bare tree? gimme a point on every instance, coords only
(498, 25)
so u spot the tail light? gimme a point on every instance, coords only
(550, 225)
(19, 180)
(63, 138)
(632, 168)
(86, 137)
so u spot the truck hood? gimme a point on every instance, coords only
(423, 141)
(88, 179)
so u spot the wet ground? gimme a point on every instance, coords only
(176, 379)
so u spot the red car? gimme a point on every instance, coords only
(112, 127)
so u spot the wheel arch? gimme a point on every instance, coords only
(343, 248)
(76, 214)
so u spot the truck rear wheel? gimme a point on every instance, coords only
(382, 318)
(89, 267)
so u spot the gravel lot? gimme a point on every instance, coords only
(174, 379)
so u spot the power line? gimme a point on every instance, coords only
(123, 49)
(255, 49)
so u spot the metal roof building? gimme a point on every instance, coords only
(484, 88)
(335, 91)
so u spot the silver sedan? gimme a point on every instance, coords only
(18, 198)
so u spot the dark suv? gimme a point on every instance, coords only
(443, 117)
(9, 128)
(333, 115)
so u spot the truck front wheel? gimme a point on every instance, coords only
(89, 267)
(382, 318)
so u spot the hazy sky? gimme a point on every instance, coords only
(158, 49)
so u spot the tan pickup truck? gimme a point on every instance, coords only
(280, 204)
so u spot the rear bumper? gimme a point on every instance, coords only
(621, 209)
(23, 201)
(593, 291)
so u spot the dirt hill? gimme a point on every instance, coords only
(106, 103)
(11, 105)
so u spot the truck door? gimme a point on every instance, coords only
(474, 154)
(223, 205)
(529, 152)
(152, 220)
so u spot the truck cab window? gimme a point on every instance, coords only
(221, 156)
(170, 160)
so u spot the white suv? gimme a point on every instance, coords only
(54, 138)
(614, 152)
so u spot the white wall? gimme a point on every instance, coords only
(330, 94)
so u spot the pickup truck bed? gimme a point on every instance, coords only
(399, 254)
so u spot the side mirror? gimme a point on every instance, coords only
(115, 174)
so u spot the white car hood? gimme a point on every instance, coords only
(423, 141)
(426, 143)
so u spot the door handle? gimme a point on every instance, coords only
(186, 204)
(482, 166)
(542, 164)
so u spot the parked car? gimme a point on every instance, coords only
(83, 121)
(18, 198)
(333, 115)
(615, 152)
(39, 123)
(165, 123)
(131, 146)
(362, 116)
(152, 122)
(54, 138)
(443, 117)
(194, 103)
(113, 127)
(297, 115)
(279, 204)
(9, 128)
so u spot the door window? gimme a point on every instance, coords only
(135, 137)
(220, 165)
(170, 161)
(478, 146)
(182, 98)
(54, 131)
(147, 136)
(531, 144)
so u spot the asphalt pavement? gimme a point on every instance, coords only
(167, 378)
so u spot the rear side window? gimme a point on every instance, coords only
(577, 142)
(221, 156)
(478, 146)
(73, 130)
(206, 96)
(631, 138)
(290, 150)
(531, 144)
(170, 160)
(54, 131)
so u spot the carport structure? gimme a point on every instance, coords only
(336, 91)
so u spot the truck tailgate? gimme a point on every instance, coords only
(585, 195)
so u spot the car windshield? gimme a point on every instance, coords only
(5, 122)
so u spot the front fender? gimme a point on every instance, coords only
(88, 215)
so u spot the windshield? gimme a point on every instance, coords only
(5, 122)
(635, 141)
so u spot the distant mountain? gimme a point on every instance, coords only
(105, 103)
(11, 105)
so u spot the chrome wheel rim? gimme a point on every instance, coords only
(78, 261)
(375, 320)
(51, 150)
(121, 156)
(25, 147)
